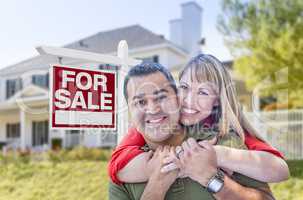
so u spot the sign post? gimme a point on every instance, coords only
(122, 105)
(97, 89)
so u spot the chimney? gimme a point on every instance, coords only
(186, 32)
(175, 30)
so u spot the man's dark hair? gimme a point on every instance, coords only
(147, 68)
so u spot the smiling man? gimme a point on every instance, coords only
(145, 94)
(151, 92)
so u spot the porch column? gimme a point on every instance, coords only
(22, 129)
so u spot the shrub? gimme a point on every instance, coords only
(296, 168)
(80, 153)
(56, 156)
(84, 153)
(12, 156)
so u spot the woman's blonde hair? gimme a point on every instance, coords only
(207, 68)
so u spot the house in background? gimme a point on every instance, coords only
(24, 88)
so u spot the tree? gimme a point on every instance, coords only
(266, 39)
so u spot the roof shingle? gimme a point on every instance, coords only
(107, 41)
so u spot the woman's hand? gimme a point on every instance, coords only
(198, 161)
(152, 163)
(171, 162)
(157, 175)
(159, 181)
(166, 159)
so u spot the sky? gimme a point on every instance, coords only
(30, 23)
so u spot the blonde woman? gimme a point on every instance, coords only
(209, 107)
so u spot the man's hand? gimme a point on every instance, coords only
(198, 161)
(159, 182)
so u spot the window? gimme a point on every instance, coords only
(107, 67)
(39, 133)
(40, 80)
(73, 131)
(154, 58)
(73, 138)
(13, 131)
(13, 86)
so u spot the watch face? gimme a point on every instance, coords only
(215, 185)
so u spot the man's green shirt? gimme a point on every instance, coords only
(183, 188)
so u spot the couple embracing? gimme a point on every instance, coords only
(191, 141)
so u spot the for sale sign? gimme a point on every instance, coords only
(82, 98)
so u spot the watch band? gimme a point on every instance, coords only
(216, 183)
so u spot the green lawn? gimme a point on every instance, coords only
(70, 180)
(87, 180)
(293, 188)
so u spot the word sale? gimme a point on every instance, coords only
(84, 91)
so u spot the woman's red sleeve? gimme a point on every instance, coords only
(125, 152)
(254, 143)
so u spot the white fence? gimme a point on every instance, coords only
(282, 129)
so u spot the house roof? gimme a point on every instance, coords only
(34, 63)
(137, 37)
(107, 41)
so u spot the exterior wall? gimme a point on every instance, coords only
(27, 77)
(173, 59)
(167, 57)
(108, 138)
(146, 54)
(92, 138)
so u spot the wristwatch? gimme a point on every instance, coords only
(216, 183)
